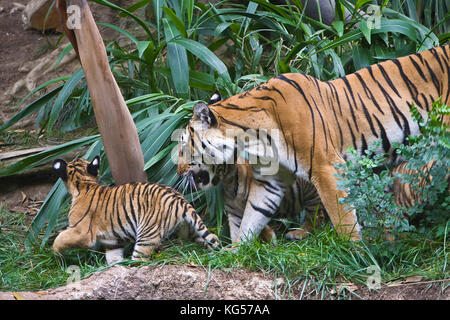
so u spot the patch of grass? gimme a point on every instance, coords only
(324, 260)
(35, 268)
(324, 257)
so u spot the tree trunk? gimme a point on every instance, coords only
(117, 129)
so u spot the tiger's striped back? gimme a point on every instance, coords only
(142, 213)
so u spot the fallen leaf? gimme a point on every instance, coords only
(24, 196)
(413, 279)
(18, 296)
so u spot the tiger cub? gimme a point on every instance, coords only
(142, 213)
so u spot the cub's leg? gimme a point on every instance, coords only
(344, 221)
(264, 199)
(267, 234)
(72, 238)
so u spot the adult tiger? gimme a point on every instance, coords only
(317, 122)
(142, 213)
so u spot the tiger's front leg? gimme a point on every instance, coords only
(266, 193)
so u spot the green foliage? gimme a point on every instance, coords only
(368, 192)
(432, 146)
(180, 52)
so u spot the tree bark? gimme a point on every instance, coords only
(116, 126)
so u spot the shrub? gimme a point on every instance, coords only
(367, 181)
(432, 213)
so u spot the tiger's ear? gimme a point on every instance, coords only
(60, 168)
(205, 115)
(92, 168)
(215, 97)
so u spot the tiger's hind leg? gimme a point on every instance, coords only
(344, 221)
(143, 248)
(203, 236)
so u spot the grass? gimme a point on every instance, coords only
(324, 260)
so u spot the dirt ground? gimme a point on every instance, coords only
(173, 282)
(19, 49)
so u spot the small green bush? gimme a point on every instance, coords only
(367, 181)
(432, 214)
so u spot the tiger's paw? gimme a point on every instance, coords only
(297, 234)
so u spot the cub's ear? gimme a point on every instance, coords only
(92, 168)
(215, 97)
(60, 168)
(205, 115)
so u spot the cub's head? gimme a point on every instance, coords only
(203, 147)
(78, 170)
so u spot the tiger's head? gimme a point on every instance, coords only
(77, 171)
(199, 161)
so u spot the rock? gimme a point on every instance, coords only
(35, 13)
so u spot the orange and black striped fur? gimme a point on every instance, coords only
(300, 210)
(142, 213)
(404, 193)
(317, 121)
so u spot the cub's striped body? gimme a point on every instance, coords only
(142, 213)
(317, 122)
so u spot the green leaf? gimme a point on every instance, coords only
(49, 211)
(135, 7)
(339, 26)
(120, 30)
(32, 107)
(176, 21)
(177, 58)
(205, 55)
(366, 31)
(63, 53)
(139, 21)
(161, 154)
(63, 95)
(142, 46)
